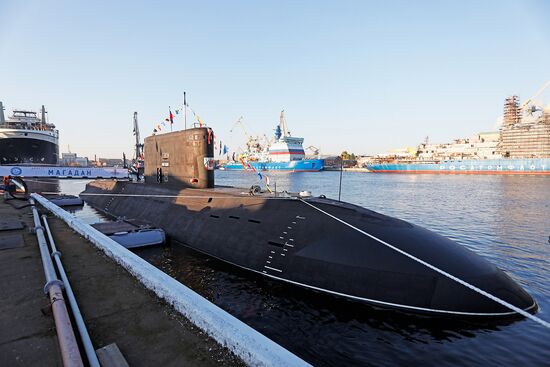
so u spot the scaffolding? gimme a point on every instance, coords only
(512, 111)
(524, 136)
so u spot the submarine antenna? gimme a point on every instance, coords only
(185, 110)
(341, 171)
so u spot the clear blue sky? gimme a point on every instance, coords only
(362, 76)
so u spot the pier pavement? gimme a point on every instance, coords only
(115, 306)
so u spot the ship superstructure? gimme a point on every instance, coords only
(483, 145)
(286, 148)
(26, 138)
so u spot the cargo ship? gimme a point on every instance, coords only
(521, 146)
(283, 153)
(27, 139)
(540, 166)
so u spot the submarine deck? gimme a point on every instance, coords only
(322, 244)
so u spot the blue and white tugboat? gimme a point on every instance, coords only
(285, 153)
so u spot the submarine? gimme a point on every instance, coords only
(318, 243)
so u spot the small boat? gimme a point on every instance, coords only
(65, 200)
(132, 234)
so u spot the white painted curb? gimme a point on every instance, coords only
(254, 348)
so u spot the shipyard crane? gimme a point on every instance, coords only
(241, 124)
(528, 108)
(268, 141)
(253, 143)
(139, 145)
(314, 150)
(538, 93)
(138, 165)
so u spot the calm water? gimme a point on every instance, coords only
(504, 218)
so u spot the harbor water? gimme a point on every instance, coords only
(506, 219)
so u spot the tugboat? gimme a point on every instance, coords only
(27, 139)
(285, 153)
(314, 242)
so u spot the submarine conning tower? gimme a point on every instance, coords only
(181, 159)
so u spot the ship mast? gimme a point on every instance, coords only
(2, 119)
(185, 111)
(43, 116)
(282, 124)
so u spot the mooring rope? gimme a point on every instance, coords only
(442, 272)
(245, 195)
(44, 182)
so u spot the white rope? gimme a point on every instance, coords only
(228, 196)
(458, 280)
(43, 182)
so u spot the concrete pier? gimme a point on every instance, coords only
(115, 306)
(27, 329)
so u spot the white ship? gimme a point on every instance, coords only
(27, 139)
(282, 153)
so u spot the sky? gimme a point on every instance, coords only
(360, 76)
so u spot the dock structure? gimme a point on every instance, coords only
(251, 346)
(27, 330)
(115, 306)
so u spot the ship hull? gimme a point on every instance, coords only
(28, 147)
(289, 240)
(535, 166)
(306, 165)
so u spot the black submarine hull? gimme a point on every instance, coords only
(318, 243)
(289, 240)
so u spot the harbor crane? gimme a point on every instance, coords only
(240, 123)
(538, 93)
(314, 150)
(253, 143)
(530, 106)
(139, 145)
(138, 165)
